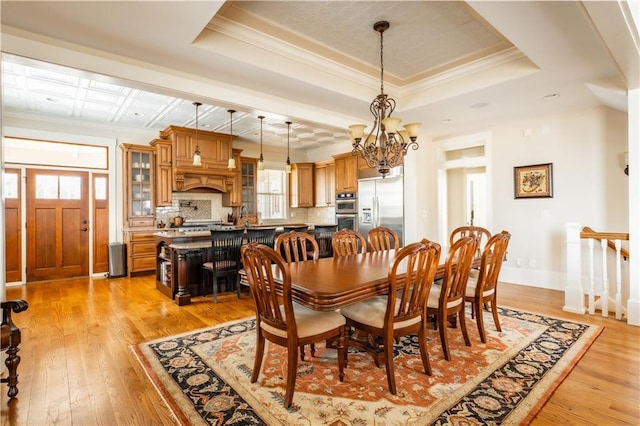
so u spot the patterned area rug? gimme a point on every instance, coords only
(204, 377)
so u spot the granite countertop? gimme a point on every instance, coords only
(173, 233)
(191, 246)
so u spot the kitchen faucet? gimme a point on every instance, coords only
(244, 213)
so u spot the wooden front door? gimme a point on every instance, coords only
(57, 224)
(12, 225)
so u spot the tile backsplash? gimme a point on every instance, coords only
(194, 206)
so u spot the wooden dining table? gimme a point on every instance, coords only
(335, 282)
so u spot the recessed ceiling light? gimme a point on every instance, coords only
(141, 114)
(51, 99)
(551, 96)
(206, 125)
(479, 105)
(445, 121)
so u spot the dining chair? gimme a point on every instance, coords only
(283, 322)
(323, 235)
(225, 258)
(266, 236)
(388, 318)
(482, 289)
(297, 246)
(447, 298)
(347, 241)
(382, 238)
(478, 232)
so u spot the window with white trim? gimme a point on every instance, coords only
(272, 194)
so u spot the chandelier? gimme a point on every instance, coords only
(385, 146)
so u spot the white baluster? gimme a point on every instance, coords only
(592, 278)
(604, 296)
(618, 280)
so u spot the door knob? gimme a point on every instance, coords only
(84, 229)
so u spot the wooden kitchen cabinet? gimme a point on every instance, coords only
(325, 183)
(346, 166)
(301, 185)
(214, 148)
(138, 185)
(164, 174)
(141, 252)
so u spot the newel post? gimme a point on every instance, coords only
(573, 293)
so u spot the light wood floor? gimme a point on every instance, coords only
(77, 367)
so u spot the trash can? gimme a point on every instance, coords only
(117, 260)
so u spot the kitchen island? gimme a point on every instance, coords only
(179, 259)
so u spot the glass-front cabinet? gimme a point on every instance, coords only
(139, 185)
(249, 175)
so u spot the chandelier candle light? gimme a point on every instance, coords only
(288, 167)
(232, 162)
(197, 160)
(261, 160)
(385, 146)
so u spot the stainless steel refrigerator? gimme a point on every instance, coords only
(381, 202)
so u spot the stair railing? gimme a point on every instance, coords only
(598, 289)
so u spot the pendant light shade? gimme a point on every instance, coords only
(232, 161)
(197, 160)
(288, 167)
(261, 160)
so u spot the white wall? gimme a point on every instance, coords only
(589, 187)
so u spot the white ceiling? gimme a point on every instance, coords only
(455, 66)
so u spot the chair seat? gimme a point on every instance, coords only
(434, 298)
(309, 322)
(221, 265)
(471, 288)
(371, 312)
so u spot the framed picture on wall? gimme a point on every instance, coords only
(534, 181)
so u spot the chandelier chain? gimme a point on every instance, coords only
(381, 62)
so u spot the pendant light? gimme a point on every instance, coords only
(261, 160)
(197, 160)
(288, 168)
(232, 161)
(386, 145)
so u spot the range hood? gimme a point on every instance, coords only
(180, 144)
(218, 180)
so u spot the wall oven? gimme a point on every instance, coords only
(348, 221)
(347, 210)
(346, 202)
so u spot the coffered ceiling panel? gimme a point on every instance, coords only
(140, 65)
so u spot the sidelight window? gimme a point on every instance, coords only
(10, 185)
